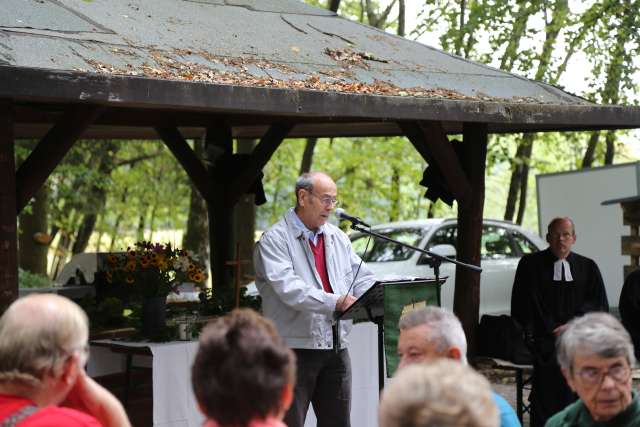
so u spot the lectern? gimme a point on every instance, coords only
(384, 303)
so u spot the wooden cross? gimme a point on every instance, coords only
(237, 270)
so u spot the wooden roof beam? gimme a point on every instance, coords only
(271, 140)
(8, 219)
(50, 151)
(190, 162)
(430, 140)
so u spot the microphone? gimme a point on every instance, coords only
(341, 214)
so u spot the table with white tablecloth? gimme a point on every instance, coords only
(173, 402)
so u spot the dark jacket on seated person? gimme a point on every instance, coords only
(577, 414)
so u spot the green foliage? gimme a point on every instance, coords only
(27, 279)
(363, 169)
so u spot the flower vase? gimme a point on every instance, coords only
(154, 317)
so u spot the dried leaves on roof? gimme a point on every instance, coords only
(235, 71)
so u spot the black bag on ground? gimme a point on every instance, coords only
(502, 337)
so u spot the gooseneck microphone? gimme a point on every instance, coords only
(341, 214)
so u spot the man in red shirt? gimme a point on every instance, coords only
(43, 350)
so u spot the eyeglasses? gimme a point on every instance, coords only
(326, 200)
(593, 376)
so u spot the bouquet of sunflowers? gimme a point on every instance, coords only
(153, 269)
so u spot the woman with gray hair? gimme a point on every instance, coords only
(596, 356)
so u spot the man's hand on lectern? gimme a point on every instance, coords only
(345, 302)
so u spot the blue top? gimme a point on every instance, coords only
(508, 416)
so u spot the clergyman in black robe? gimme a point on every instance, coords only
(550, 288)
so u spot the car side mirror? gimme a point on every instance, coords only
(447, 251)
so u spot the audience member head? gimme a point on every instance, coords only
(596, 356)
(315, 198)
(430, 333)
(43, 347)
(561, 235)
(439, 394)
(243, 370)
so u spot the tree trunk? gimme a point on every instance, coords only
(34, 241)
(527, 150)
(84, 233)
(514, 183)
(589, 153)
(520, 175)
(116, 225)
(100, 227)
(152, 220)
(141, 226)
(517, 32)
(394, 212)
(97, 194)
(307, 155)
(461, 32)
(431, 211)
(196, 237)
(620, 67)
(333, 5)
(62, 251)
(401, 18)
(610, 140)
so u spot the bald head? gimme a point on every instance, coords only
(308, 180)
(37, 332)
(316, 195)
(561, 236)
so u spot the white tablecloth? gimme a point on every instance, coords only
(173, 402)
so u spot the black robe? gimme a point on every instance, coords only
(629, 306)
(541, 304)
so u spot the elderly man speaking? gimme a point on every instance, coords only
(596, 355)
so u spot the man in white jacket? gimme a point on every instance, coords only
(306, 271)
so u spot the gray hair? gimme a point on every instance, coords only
(37, 334)
(305, 182)
(594, 334)
(444, 327)
(442, 393)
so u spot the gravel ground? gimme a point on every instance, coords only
(504, 383)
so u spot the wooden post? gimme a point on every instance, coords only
(245, 218)
(466, 300)
(631, 243)
(219, 148)
(8, 218)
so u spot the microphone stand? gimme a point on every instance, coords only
(433, 261)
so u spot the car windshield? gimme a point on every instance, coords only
(383, 251)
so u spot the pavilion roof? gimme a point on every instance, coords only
(256, 61)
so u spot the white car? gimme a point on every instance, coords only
(503, 244)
